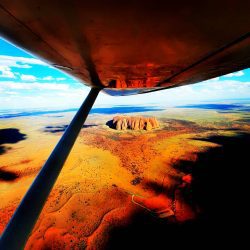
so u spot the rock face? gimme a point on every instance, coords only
(134, 123)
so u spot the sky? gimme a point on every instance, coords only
(27, 82)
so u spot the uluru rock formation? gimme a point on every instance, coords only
(133, 123)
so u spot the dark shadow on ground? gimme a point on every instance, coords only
(110, 124)
(62, 128)
(10, 135)
(8, 176)
(220, 190)
(3, 149)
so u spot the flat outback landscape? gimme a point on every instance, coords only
(127, 189)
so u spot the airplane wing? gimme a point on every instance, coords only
(124, 47)
(130, 47)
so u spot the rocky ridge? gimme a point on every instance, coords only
(134, 123)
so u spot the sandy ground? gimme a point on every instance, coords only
(93, 194)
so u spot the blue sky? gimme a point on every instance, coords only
(27, 82)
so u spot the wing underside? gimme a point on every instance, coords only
(131, 47)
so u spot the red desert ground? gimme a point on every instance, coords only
(126, 188)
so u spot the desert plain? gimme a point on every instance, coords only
(124, 189)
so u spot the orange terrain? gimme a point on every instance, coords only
(113, 180)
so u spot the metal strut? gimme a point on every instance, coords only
(22, 222)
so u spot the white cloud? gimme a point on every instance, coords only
(34, 86)
(9, 62)
(53, 94)
(6, 72)
(225, 84)
(221, 89)
(238, 73)
(48, 78)
(29, 78)
(11, 93)
(51, 78)
(19, 62)
(57, 96)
